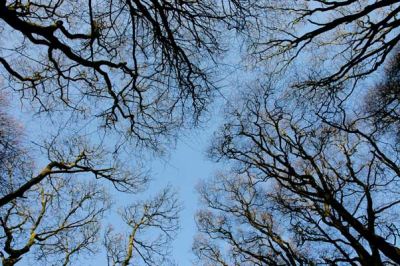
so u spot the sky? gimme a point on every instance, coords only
(186, 166)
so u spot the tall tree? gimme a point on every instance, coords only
(310, 185)
(152, 225)
(53, 224)
(303, 190)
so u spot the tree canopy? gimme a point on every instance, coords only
(309, 142)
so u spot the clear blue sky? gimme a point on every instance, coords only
(185, 167)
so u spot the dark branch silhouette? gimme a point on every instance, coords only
(350, 39)
(303, 190)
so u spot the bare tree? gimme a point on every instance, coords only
(57, 220)
(348, 39)
(152, 225)
(239, 226)
(67, 157)
(56, 216)
(74, 159)
(303, 190)
(142, 67)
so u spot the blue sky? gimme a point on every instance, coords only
(185, 167)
